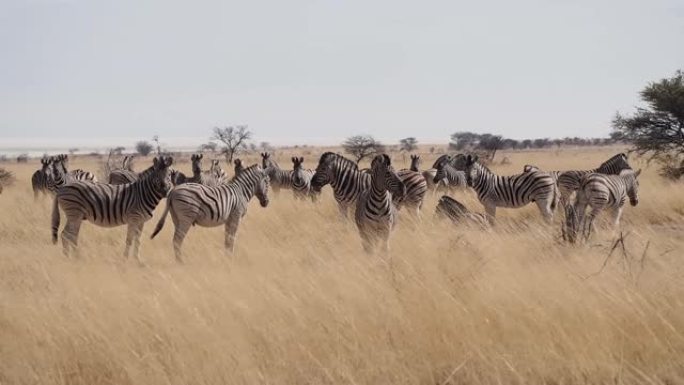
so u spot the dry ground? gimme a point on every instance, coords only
(300, 303)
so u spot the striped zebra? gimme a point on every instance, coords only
(600, 192)
(280, 178)
(451, 175)
(40, 180)
(506, 191)
(195, 204)
(429, 175)
(108, 205)
(569, 181)
(458, 213)
(211, 178)
(301, 180)
(416, 188)
(345, 178)
(60, 174)
(376, 214)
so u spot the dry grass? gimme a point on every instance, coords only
(300, 302)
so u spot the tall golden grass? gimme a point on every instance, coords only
(299, 302)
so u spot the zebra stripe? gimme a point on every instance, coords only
(40, 180)
(429, 176)
(508, 191)
(61, 176)
(416, 188)
(601, 191)
(109, 205)
(301, 180)
(239, 167)
(450, 208)
(345, 178)
(569, 181)
(376, 214)
(226, 204)
(280, 179)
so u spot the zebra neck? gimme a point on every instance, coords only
(483, 179)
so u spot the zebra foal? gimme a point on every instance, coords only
(376, 214)
(108, 205)
(280, 178)
(301, 180)
(458, 213)
(40, 180)
(195, 204)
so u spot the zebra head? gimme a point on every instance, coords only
(324, 171)
(440, 165)
(59, 170)
(631, 178)
(267, 161)
(297, 163)
(160, 177)
(262, 187)
(472, 169)
(177, 177)
(415, 162)
(46, 161)
(196, 164)
(615, 164)
(384, 177)
(253, 180)
(239, 168)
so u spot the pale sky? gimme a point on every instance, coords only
(304, 71)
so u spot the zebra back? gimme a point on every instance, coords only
(458, 213)
(604, 190)
(343, 175)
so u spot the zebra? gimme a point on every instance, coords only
(195, 204)
(429, 175)
(376, 214)
(569, 181)
(449, 174)
(601, 191)
(416, 188)
(40, 180)
(61, 176)
(506, 191)
(450, 208)
(110, 205)
(211, 178)
(280, 179)
(301, 180)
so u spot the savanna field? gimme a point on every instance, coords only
(300, 302)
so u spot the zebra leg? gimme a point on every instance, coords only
(617, 213)
(70, 235)
(133, 239)
(545, 209)
(491, 213)
(231, 233)
(178, 235)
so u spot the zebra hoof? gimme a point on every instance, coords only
(54, 240)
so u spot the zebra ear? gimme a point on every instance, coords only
(636, 174)
(471, 159)
(387, 159)
(301, 159)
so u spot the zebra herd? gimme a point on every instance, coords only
(209, 198)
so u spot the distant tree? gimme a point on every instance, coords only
(144, 148)
(510, 144)
(23, 158)
(265, 146)
(526, 143)
(558, 143)
(541, 143)
(118, 150)
(362, 146)
(464, 140)
(155, 139)
(233, 138)
(657, 130)
(408, 144)
(490, 144)
(209, 146)
(432, 150)
(253, 147)
(72, 151)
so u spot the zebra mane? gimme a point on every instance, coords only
(247, 173)
(330, 156)
(619, 159)
(441, 159)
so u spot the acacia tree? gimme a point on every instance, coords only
(409, 144)
(362, 146)
(234, 139)
(143, 148)
(657, 130)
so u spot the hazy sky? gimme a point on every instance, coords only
(298, 71)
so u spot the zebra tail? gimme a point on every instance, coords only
(160, 224)
(55, 220)
(556, 198)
